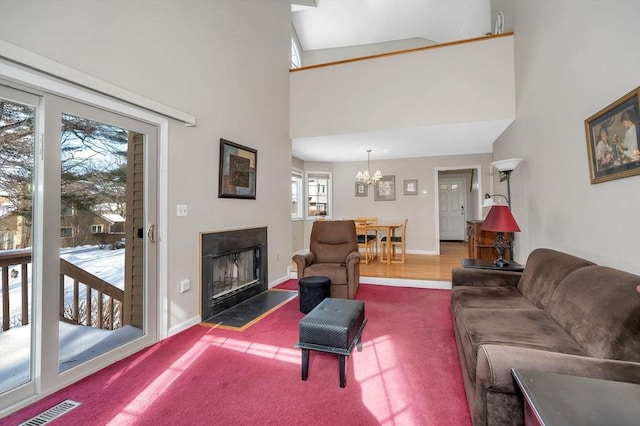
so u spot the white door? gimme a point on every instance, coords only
(452, 212)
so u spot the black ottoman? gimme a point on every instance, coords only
(334, 326)
(311, 291)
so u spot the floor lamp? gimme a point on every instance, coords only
(505, 168)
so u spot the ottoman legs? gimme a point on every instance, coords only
(343, 366)
(305, 364)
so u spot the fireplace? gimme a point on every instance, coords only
(233, 268)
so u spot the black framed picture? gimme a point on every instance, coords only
(237, 175)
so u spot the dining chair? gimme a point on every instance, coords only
(366, 240)
(370, 220)
(400, 241)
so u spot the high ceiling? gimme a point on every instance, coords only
(341, 23)
(332, 24)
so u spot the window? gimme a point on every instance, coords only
(318, 194)
(68, 211)
(66, 232)
(96, 229)
(297, 194)
(295, 55)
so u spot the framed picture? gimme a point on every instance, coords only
(385, 189)
(362, 189)
(411, 187)
(612, 140)
(237, 175)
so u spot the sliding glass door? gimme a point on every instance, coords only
(17, 177)
(77, 240)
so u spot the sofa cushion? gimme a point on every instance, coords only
(600, 308)
(503, 297)
(545, 269)
(527, 328)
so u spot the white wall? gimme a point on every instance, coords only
(572, 59)
(464, 83)
(227, 63)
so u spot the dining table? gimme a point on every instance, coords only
(389, 230)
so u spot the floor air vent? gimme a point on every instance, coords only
(52, 413)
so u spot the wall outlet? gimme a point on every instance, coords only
(185, 285)
(182, 210)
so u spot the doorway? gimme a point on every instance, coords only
(458, 201)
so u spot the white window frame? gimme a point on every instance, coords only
(309, 194)
(298, 185)
(296, 60)
(97, 229)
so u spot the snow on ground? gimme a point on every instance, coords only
(77, 344)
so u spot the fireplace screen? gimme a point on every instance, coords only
(233, 272)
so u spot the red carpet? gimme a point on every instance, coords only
(407, 374)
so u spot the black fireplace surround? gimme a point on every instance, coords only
(231, 246)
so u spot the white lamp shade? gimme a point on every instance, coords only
(488, 202)
(507, 165)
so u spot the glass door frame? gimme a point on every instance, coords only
(46, 379)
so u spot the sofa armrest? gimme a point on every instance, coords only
(483, 277)
(494, 364)
(495, 397)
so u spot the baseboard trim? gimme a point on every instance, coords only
(399, 282)
(184, 325)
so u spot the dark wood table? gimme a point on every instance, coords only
(488, 264)
(558, 399)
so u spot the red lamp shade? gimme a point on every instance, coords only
(500, 219)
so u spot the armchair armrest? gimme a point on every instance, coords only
(303, 258)
(353, 258)
(483, 277)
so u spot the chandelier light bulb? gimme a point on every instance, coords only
(365, 176)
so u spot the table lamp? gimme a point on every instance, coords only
(500, 220)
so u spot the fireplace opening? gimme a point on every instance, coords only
(234, 272)
(233, 268)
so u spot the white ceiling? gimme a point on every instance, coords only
(342, 23)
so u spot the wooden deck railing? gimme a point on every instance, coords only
(15, 258)
(107, 306)
(106, 310)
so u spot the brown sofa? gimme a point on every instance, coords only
(333, 252)
(562, 315)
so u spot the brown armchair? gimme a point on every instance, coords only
(333, 252)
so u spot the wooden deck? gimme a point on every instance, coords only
(420, 266)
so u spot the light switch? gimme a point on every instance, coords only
(185, 285)
(182, 210)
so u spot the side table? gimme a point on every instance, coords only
(488, 264)
(558, 399)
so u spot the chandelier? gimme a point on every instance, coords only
(365, 177)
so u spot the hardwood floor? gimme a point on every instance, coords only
(420, 266)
